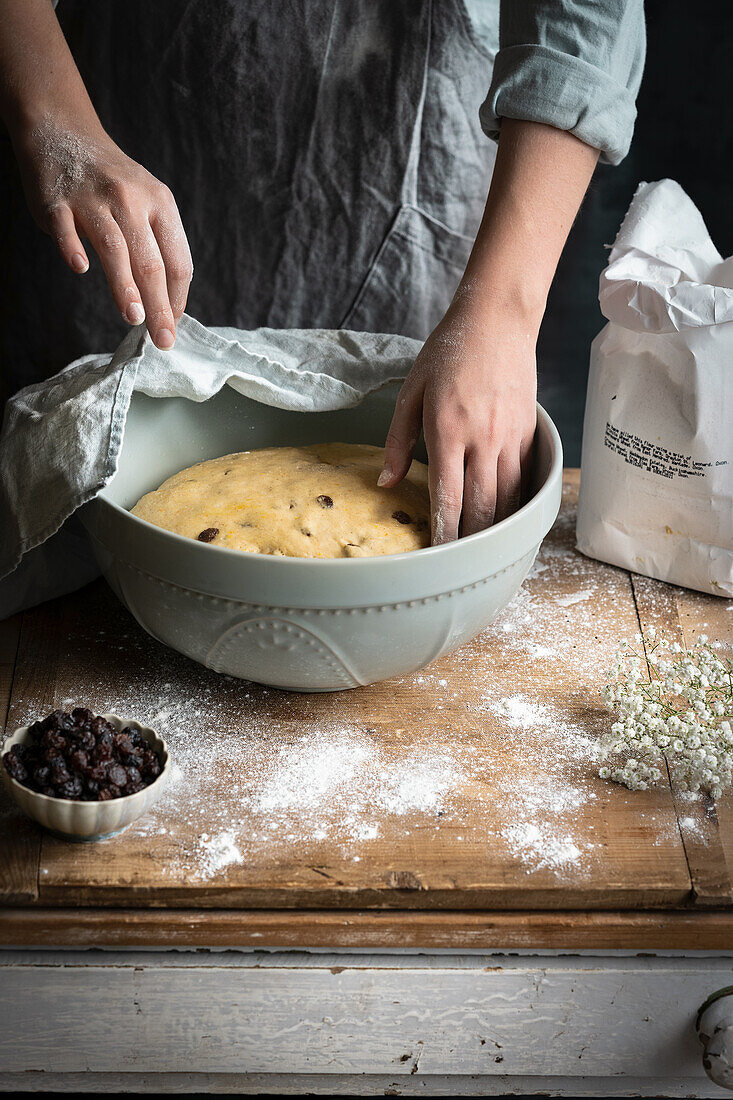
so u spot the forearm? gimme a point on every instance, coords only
(39, 79)
(539, 181)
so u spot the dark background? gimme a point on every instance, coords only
(684, 131)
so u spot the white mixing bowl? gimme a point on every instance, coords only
(299, 623)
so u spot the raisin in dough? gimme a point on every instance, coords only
(320, 501)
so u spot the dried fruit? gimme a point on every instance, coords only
(208, 535)
(324, 501)
(401, 517)
(82, 756)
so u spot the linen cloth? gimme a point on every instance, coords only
(61, 439)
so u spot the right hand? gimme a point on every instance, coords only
(80, 183)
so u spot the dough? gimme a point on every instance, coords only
(320, 501)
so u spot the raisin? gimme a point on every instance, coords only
(42, 774)
(98, 773)
(15, 767)
(54, 741)
(86, 740)
(122, 742)
(102, 752)
(79, 760)
(59, 772)
(208, 535)
(105, 795)
(324, 501)
(117, 775)
(133, 776)
(151, 765)
(82, 715)
(401, 517)
(72, 788)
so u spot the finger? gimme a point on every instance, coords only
(445, 478)
(111, 247)
(149, 271)
(526, 460)
(173, 244)
(402, 436)
(479, 493)
(63, 230)
(508, 483)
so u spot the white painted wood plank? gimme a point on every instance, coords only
(272, 1084)
(262, 1014)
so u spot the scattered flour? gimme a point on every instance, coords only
(572, 598)
(554, 852)
(217, 852)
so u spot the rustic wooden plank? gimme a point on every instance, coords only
(469, 785)
(650, 930)
(19, 839)
(706, 827)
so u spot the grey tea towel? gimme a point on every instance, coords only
(61, 438)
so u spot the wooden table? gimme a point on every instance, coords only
(456, 810)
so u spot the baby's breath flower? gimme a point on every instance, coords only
(674, 703)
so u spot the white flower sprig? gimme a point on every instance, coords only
(672, 703)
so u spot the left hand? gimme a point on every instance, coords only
(472, 389)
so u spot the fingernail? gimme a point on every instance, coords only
(164, 339)
(385, 477)
(135, 313)
(79, 263)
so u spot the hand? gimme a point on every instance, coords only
(79, 182)
(473, 385)
(473, 390)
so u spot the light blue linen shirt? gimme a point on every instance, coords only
(573, 64)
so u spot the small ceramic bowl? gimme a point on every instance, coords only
(71, 819)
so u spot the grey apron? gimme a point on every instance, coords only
(326, 157)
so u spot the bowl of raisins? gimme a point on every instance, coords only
(84, 776)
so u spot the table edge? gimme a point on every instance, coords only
(674, 930)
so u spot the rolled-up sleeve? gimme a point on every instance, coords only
(573, 64)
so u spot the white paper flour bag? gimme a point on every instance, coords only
(656, 493)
